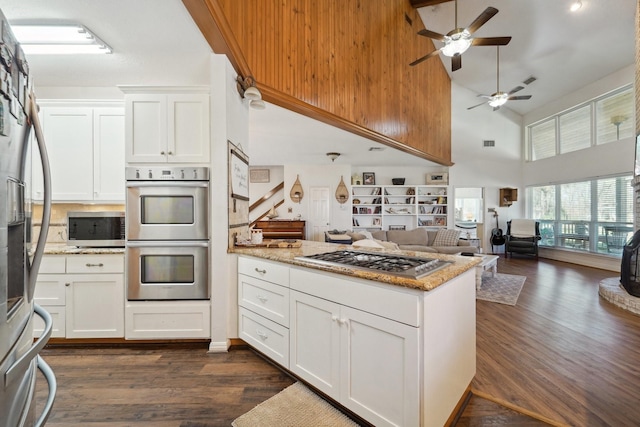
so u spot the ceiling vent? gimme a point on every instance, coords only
(489, 143)
(530, 80)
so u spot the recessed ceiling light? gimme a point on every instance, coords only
(575, 6)
(58, 39)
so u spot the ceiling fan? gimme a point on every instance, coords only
(458, 40)
(498, 99)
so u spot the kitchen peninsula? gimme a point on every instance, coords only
(396, 351)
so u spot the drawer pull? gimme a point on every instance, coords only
(94, 265)
(261, 334)
(67, 284)
(262, 298)
(261, 271)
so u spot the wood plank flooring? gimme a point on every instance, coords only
(561, 355)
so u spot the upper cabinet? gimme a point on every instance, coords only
(167, 125)
(85, 146)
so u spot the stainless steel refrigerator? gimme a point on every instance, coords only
(19, 358)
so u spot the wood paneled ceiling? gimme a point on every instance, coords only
(344, 62)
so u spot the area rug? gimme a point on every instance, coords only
(295, 406)
(504, 288)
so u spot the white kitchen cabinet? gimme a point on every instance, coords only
(84, 294)
(85, 145)
(166, 127)
(263, 317)
(367, 363)
(167, 320)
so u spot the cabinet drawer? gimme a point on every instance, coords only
(59, 322)
(265, 270)
(265, 298)
(167, 320)
(95, 264)
(52, 265)
(50, 289)
(264, 335)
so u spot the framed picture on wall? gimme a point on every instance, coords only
(258, 175)
(438, 178)
(377, 221)
(368, 178)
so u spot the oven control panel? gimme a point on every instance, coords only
(159, 173)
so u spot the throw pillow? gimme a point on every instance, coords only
(356, 236)
(447, 238)
(366, 243)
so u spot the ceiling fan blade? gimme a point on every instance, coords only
(518, 98)
(456, 62)
(432, 35)
(482, 19)
(515, 89)
(490, 41)
(424, 58)
(482, 103)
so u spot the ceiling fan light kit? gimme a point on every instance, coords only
(458, 40)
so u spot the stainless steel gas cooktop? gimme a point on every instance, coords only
(397, 265)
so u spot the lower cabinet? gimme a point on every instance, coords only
(367, 363)
(168, 319)
(84, 295)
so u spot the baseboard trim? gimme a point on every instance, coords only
(219, 346)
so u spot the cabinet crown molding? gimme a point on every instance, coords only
(163, 89)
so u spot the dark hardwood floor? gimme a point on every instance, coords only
(561, 356)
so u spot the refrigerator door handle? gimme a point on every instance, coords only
(46, 207)
(47, 372)
(20, 366)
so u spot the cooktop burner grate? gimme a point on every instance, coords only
(399, 265)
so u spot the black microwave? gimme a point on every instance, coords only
(96, 229)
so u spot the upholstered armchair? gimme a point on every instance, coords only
(522, 237)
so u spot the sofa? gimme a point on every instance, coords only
(420, 239)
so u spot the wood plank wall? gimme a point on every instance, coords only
(347, 58)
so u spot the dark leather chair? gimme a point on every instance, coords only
(522, 244)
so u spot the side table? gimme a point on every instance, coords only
(488, 262)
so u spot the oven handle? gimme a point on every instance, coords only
(164, 184)
(167, 244)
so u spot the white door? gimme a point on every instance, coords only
(319, 215)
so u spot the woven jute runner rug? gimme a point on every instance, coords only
(295, 406)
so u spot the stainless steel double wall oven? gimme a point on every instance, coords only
(167, 222)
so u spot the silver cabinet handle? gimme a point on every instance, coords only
(261, 334)
(170, 153)
(67, 284)
(261, 271)
(262, 298)
(94, 265)
(162, 152)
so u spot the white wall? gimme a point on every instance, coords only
(229, 121)
(317, 176)
(491, 168)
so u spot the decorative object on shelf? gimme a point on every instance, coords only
(397, 227)
(256, 236)
(369, 178)
(397, 181)
(333, 156)
(356, 179)
(296, 193)
(438, 178)
(259, 175)
(356, 201)
(273, 213)
(248, 90)
(342, 193)
(508, 196)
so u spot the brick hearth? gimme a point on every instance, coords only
(612, 291)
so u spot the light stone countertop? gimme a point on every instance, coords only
(63, 249)
(459, 264)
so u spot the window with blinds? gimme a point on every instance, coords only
(543, 140)
(612, 117)
(583, 215)
(575, 129)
